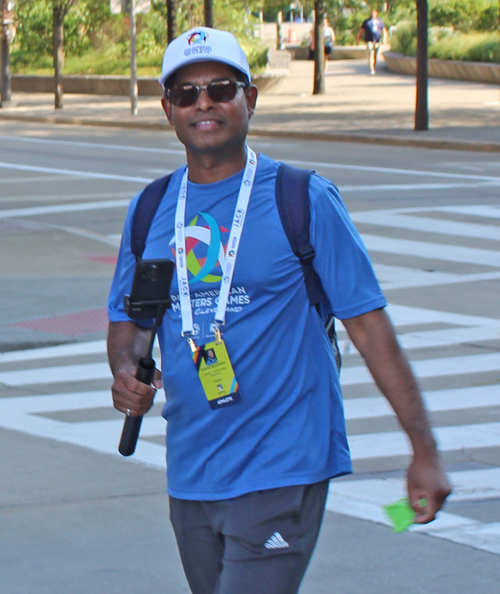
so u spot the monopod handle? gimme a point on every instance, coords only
(132, 425)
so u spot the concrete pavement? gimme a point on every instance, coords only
(356, 107)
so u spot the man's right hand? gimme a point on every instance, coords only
(129, 394)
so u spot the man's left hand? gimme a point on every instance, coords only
(427, 481)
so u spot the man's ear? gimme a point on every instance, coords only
(167, 108)
(251, 95)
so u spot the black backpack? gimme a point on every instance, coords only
(292, 199)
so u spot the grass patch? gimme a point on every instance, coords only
(470, 47)
(115, 61)
(109, 62)
(446, 44)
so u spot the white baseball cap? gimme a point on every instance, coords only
(203, 44)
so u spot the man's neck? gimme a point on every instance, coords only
(205, 168)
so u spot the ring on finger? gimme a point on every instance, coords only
(127, 412)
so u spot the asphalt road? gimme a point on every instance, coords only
(75, 517)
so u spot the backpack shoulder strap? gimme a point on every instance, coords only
(292, 199)
(144, 213)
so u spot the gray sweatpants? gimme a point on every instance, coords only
(259, 542)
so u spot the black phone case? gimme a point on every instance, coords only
(150, 288)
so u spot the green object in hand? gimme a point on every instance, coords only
(401, 514)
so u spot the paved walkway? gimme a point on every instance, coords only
(356, 107)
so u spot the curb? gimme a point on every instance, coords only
(431, 143)
(417, 142)
(450, 69)
(119, 85)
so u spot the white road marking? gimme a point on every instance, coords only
(115, 147)
(62, 373)
(432, 251)
(59, 208)
(436, 401)
(64, 350)
(427, 224)
(311, 164)
(490, 212)
(400, 277)
(365, 498)
(395, 443)
(452, 336)
(409, 187)
(415, 172)
(76, 173)
(404, 315)
(349, 376)
(446, 366)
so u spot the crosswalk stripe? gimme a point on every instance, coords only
(350, 375)
(395, 443)
(102, 436)
(437, 401)
(66, 350)
(420, 186)
(58, 208)
(355, 408)
(402, 315)
(62, 373)
(429, 368)
(432, 338)
(55, 402)
(427, 224)
(477, 210)
(447, 526)
(399, 277)
(468, 485)
(433, 251)
(364, 499)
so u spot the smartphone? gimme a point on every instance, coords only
(150, 289)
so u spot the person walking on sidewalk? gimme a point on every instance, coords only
(374, 31)
(329, 39)
(248, 474)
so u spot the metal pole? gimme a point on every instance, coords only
(5, 56)
(171, 32)
(422, 102)
(209, 14)
(319, 52)
(134, 110)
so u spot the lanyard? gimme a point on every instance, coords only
(231, 251)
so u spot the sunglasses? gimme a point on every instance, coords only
(220, 91)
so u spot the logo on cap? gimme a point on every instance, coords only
(197, 37)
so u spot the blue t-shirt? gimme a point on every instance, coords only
(373, 29)
(289, 427)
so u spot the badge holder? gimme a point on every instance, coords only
(148, 299)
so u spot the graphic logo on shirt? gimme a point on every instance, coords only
(204, 249)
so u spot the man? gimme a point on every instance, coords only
(374, 30)
(248, 468)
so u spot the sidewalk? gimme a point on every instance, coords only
(356, 107)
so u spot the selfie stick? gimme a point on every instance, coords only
(145, 374)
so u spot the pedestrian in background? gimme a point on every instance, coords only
(248, 472)
(374, 31)
(329, 39)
